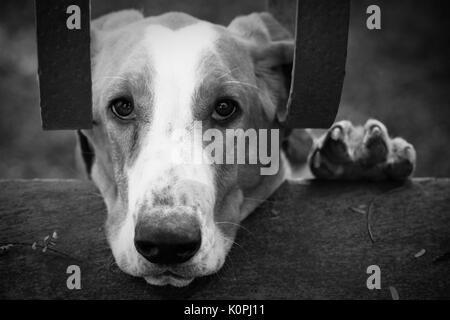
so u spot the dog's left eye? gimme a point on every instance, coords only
(225, 109)
(122, 108)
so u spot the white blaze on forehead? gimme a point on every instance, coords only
(176, 58)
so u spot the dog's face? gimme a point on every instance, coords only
(171, 221)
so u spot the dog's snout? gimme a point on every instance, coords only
(173, 237)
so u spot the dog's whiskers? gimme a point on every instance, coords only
(227, 73)
(237, 225)
(232, 267)
(94, 82)
(239, 246)
(228, 265)
(262, 200)
(114, 77)
(243, 83)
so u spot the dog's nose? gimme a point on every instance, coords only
(170, 238)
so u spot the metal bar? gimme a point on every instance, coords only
(64, 63)
(321, 33)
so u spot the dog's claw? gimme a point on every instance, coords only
(375, 130)
(316, 160)
(348, 152)
(336, 133)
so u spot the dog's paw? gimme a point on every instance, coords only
(349, 153)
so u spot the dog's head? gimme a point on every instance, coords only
(154, 79)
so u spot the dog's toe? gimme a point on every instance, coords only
(375, 144)
(402, 162)
(331, 153)
(334, 145)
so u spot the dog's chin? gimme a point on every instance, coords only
(165, 280)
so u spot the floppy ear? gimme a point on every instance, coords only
(272, 49)
(99, 26)
(86, 151)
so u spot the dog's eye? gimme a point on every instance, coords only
(225, 109)
(122, 108)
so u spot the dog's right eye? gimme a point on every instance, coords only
(122, 108)
(225, 109)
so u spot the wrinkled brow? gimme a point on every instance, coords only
(128, 84)
(222, 82)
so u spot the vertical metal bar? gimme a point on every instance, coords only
(321, 32)
(64, 64)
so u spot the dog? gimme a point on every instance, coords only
(171, 222)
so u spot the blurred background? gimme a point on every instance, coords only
(399, 75)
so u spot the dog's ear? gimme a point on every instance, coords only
(111, 22)
(86, 151)
(99, 27)
(272, 49)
